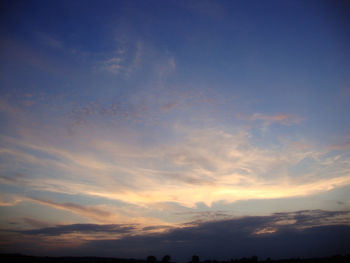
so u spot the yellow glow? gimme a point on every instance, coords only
(266, 230)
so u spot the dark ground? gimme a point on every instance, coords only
(23, 258)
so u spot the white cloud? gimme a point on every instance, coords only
(124, 60)
(206, 166)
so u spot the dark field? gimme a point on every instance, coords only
(23, 258)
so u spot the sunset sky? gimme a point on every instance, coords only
(130, 128)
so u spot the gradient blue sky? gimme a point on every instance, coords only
(139, 118)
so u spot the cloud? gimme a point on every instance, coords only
(91, 230)
(311, 218)
(14, 178)
(187, 171)
(176, 163)
(113, 65)
(96, 213)
(119, 111)
(148, 228)
(241, 237)
(151, 106)
(301, 235)
(278, 118)
(125, 59)
(80, 228)
(204, 216)
(121, 213)
(9, 199)
(343, 145)
(283, 118)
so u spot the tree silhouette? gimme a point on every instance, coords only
(151, 259)
(166, 259)
(254, 259)
(195, 259)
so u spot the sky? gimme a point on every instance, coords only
(136, 128)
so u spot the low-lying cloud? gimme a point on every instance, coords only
(80, 228)
(296, 234)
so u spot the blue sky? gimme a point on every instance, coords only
(127, 119)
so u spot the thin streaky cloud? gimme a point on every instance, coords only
(224, 174)
(96, 213)
(281, 118)
(76, 228)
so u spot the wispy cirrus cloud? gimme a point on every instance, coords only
(10, 199)
(185, 165)
(282, 118)
(230, 168)
(96, 213)
(124, 60)
(342, 144)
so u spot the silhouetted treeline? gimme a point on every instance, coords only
(12, 258)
